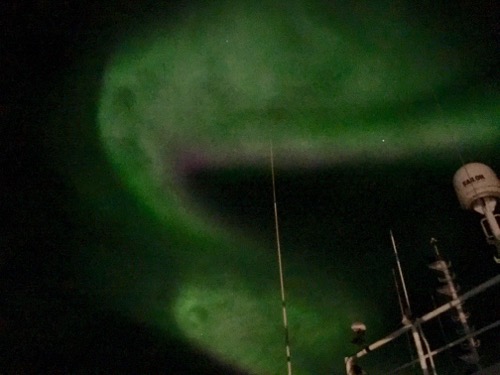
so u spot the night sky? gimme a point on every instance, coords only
(138, 232)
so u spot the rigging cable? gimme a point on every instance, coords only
(280, 266)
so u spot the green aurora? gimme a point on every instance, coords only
(331, 85)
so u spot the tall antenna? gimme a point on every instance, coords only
(280, 266)
(403, 284)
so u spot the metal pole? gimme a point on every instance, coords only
(420, 349)
(280, 268)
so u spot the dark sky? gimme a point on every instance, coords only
(63, 198)
(48, 325)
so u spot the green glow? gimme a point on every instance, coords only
(329, 88)
(242, 325)
(214, 319)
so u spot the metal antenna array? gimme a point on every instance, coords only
(450, 289)
(349, 361)
(478, 189)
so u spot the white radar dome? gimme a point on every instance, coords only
(475, 181)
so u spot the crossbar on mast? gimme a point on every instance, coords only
(430, 315)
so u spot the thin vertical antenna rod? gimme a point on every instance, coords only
(403, 284)
(280, 265)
